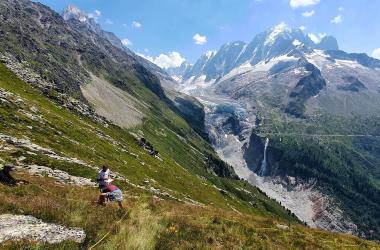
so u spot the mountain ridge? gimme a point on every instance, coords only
(278, 40)
(290, 94)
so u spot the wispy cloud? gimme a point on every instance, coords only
(169, 60)
(341, 8)
(136, 24)
(308, 13)
(199, 39)
(126, 42)
(302, 3)
(95, 15)
(337, 19)
(302, 28)
(109, 21)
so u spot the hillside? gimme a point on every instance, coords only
(169, 206)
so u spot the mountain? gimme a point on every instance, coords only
(74, 14)
(279, 40)
(186, 106)
(299, 120)
(80, 19)
(72, 101)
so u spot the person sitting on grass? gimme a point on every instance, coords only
(112, 193)
(7, 179)
(104, 177)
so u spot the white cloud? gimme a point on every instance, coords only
(341, 8)
(376, 53)
(126, 42)
(169, 60)
(337, 19)
(109, 21)
(302, 3)
(316, 38)
(200, 40)
(136, 24)
(308, 13)
(95, 15)
(302, 28)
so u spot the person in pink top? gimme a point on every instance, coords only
(112, 193)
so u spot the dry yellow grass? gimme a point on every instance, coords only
(153, 223)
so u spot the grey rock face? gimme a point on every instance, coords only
(306, 87)
(353, 84)
(328, 43)
(26, 227)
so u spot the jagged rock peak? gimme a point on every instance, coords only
(73, 12)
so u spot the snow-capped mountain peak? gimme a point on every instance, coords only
(276, 31)
(274, 42)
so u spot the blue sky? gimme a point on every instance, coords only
(178, 29)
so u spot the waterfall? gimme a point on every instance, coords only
(263, 169)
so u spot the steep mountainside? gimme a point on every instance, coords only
(79, 19)
(300, 120)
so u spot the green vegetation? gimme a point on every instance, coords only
(152, 223)
(345, 166)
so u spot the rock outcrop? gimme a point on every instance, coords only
(26, 227)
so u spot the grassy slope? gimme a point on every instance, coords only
(154, 223)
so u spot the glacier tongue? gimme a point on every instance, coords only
(308, 203)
